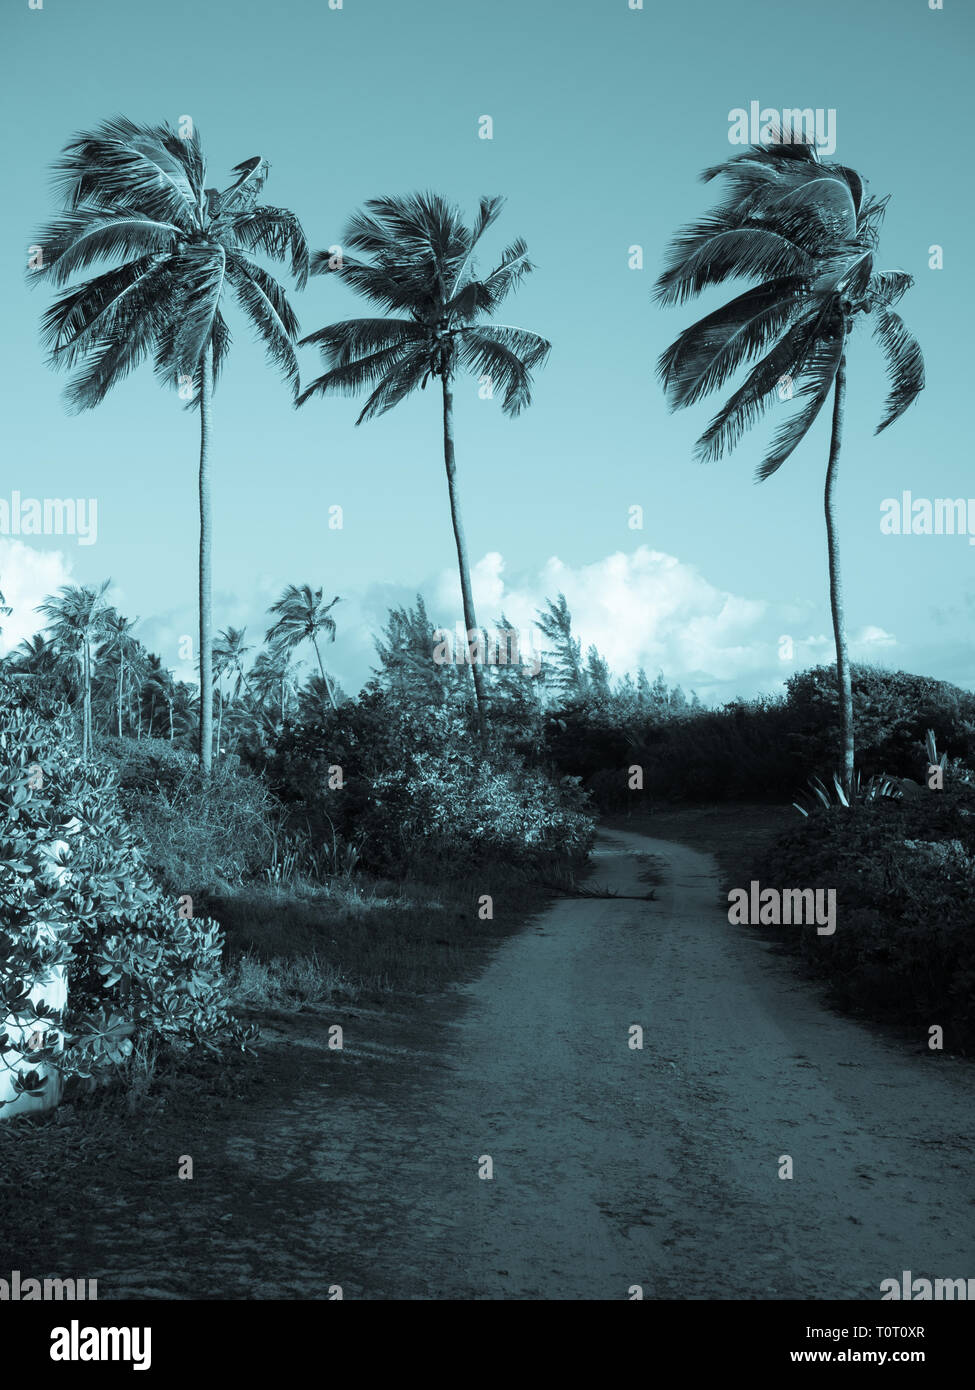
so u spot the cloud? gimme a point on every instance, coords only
(649, 609)
(27, 577)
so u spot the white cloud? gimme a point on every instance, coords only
(649, 609)
(27, 577)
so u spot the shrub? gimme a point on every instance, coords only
(904, 874)
(75, 893)
(417, 791)
(892, 711)
(201, 835)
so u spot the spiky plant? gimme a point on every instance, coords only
(808, 232)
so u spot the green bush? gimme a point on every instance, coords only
(892, 711)
(199, 835)
(75, 892)
(904, 875)
(419, 796)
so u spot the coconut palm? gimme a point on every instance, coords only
(303, 616)
(421, 269)
(809, 233)
(118, 641)
(228, 660)
(137, 195)
(76, 621)
(271, 680)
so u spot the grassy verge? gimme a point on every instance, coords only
(362, 938)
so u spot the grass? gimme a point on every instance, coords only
(360, 937)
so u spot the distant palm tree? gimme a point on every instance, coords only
(422, 269)
(37, 656)
(137, 194)
(76, 620)
(809, 233)
(303, 616)
(118, 640)
(158, 684)
(271, 679)
(228, 660)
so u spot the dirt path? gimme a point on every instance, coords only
(613, 1167)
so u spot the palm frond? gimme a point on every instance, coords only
(818, 374)
(124, 166)
(396, 384)
(278, 233)
(265, 304)
(78, 239)
(710, 252)
(708, 353)
(745, 406)
(905, 364)
(341, 342)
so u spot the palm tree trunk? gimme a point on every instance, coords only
(206, 566)
(843, 680)
(463, 562)
(328, 684)
(219, 717)
(86, 705)
(121, 674)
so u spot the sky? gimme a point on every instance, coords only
(603, 116)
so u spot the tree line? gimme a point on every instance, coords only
(138, 195)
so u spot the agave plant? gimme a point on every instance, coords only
(875, 788)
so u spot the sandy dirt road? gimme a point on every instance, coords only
(612, 1166)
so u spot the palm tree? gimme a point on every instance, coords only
(809, 233)
(271, 679)
(137, 194)
(118, 639)
(303, 616)
(76, 621)
(228, 658)
(422, 270)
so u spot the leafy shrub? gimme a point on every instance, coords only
(892, 711)
(146, 765)
(202, 835)
(418, 794)
(904, 875)
(75, 894)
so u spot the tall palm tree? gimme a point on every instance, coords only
(809, 233)
(422, 270)
(303, 616)
(138, 195)
(76, 621)
(118, 640)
